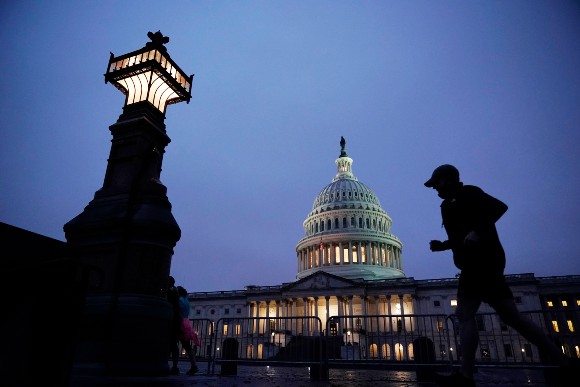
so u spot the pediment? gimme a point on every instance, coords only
(320, 280)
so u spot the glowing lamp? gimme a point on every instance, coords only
(149, 74)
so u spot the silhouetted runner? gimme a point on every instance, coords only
(469, 217)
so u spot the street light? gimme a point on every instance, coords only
(149, 74)
(129, 215)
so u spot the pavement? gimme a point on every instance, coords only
(269, 376)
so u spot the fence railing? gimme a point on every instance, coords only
(405, 342)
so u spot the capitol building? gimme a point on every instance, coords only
(350, 265)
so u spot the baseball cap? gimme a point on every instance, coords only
(446, 171)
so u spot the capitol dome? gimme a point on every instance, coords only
(348, 233)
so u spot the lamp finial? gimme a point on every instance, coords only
(157, 40)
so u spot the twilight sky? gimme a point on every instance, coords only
(492, 87)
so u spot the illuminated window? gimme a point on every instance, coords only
(570, 325)
(453, 302)
(550, 304)
(439, 325)
(225, 329)
(484, 350)
(564, 303)
(238, 329)
(333, 328)
(386, 351)
(578, 302)
(373, 351)
(555, 326)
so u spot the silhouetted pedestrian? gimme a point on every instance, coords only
(175, 327)
(186, 333)
(469, 217)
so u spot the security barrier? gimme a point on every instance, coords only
(421, 343)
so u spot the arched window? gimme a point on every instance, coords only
(322, 225)
(399, 352)
(360, 223)
(335, 222)
(352, 222)
(316, 227)
(343, 222)
(328, 224)
(386, 351)
(368, 223)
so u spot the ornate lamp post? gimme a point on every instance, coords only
(127, 232)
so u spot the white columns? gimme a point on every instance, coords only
(350, 311)
(315, 322)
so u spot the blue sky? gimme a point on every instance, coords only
(490, 86)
